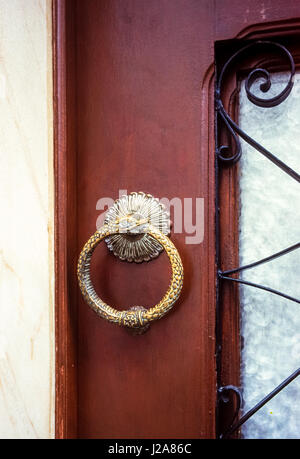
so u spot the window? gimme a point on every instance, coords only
(265, 307)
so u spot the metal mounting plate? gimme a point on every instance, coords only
(134, 245)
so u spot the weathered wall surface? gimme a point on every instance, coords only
(26, 230)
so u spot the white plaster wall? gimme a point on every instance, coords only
(26, 229)
(270, 222)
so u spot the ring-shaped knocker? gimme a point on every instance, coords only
(137, 318)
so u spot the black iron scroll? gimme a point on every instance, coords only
(224, 155)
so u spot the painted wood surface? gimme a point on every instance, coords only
(135, 112)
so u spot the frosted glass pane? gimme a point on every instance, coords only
(270, 222)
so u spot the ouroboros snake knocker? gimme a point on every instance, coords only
(133, 224)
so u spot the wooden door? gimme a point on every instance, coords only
(134, 104)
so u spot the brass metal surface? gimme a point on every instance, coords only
(135, 317)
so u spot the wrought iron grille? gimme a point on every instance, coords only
(225, 156)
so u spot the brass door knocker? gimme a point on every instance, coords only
(135, 229)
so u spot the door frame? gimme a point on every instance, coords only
(65, 221)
